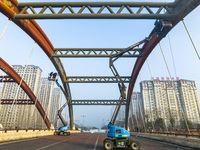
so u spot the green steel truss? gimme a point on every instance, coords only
(94, 52)
(97, 102)
(96, 10)
(96, 79)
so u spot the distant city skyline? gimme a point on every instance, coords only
(166, 99)
(27, 116)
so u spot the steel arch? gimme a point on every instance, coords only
(16, 77)
(183, 9)
(9, 9)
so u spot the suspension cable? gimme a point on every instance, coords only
(170, 45)
(4, 30)
(38, 93)
(150, 106)
(191, 39)
(173, 86)
(23, 75)
(152, 79)
(144, 126)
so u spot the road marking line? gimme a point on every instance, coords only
(18, 141)
(96, 143)
(48, 145)
(54, 143)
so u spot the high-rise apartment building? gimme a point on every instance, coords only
(55, 106)
(19, 115)
(45, 98)
(170, 99)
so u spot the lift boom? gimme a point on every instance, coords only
(122, 87)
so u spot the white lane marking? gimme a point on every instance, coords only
(48, 145)
(53, 144)
(96, 143)
(18, 141)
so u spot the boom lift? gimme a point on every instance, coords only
(117, 136)
(64, 129)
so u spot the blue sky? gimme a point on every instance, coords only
(16, 47)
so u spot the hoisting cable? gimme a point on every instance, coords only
(174, 88)
(150, 106)
(4, 30)
(191, 39)
(23, 75)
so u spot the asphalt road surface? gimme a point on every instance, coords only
(83, 141)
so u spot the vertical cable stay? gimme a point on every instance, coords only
(191, 39)
(4, 30)
(144, 126)
(174, 89)
(40, 88)
(172, 55)
(23, 75)
(152, 79)
(149, 69)
(150, 106)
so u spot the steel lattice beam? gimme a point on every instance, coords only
(94, 52)
(96, 79)
(95, 10)
(97, 102)
(6, 79)
(17, 102)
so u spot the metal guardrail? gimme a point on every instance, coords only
(23, 130)
(176, 132)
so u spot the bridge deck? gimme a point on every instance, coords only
(83, 141)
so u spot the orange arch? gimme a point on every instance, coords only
(16, 77)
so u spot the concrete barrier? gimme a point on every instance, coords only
(23, 134)
(183, 141)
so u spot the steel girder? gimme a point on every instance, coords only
(96, 10)
(17, 102)
(97, 102)
(96, 79)
(9, 8)
(183, 8)
(16, 77)
(6, 79)
(94, 52)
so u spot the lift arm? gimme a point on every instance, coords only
(121, 85)
(61, 109)
(52, 77)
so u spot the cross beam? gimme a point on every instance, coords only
(95, 52)
(96, 10)
(6, 79)
(97, 102)
(96, 79)
(17, 101)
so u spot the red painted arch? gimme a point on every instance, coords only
(9, 9)
(16, 77)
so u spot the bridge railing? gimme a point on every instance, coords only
(172, 132)
(23, 130)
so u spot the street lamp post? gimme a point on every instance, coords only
(83, 120)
